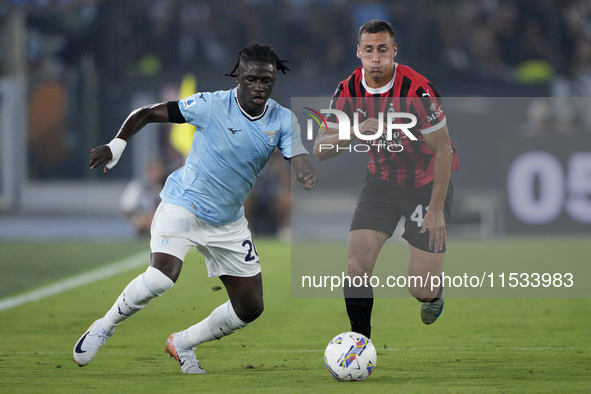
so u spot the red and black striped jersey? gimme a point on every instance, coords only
(408, 92)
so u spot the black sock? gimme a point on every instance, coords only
(359, 303)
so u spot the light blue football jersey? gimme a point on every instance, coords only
(229, 150)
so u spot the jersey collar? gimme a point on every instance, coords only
(252, 118)
(381, 90)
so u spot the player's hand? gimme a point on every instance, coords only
(308, 178)
(100, 155)
(435, 223)
(110, 153)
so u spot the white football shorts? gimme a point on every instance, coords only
(228, 249)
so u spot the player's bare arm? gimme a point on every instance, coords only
(131, 126)
(328, 143)
(306, 174)
(440, 144)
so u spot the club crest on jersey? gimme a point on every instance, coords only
(271, 135)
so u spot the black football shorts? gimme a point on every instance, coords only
(381, 204)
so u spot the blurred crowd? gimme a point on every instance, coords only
(525, 41)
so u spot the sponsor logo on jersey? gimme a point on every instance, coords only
(436, 112)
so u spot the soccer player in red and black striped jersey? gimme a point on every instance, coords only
(408, 173)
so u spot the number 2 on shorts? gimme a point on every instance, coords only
(251, 248)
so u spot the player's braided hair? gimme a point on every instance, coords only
(257, 52)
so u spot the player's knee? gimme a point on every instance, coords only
(357, 267)
(361, 259)
(156, 282)
(169, 265)
(250, 312)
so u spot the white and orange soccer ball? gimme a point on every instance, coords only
(350, 356)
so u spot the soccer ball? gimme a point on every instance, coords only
(350, 356)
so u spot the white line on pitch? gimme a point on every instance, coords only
(76, 281)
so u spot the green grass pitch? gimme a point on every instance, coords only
(490, 345)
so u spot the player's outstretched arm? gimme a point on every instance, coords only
(306, 174)
(328, 142)
(111, 153)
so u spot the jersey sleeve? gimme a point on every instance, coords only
(290, 143)
(427, 107)
(196, 109)
(339, 101)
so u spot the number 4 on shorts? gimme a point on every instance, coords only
(417, 215)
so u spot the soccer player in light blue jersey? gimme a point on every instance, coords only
(202, 202)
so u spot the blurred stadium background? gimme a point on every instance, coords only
(71, 70)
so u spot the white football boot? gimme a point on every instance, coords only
(183, 354)
(89, 344)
